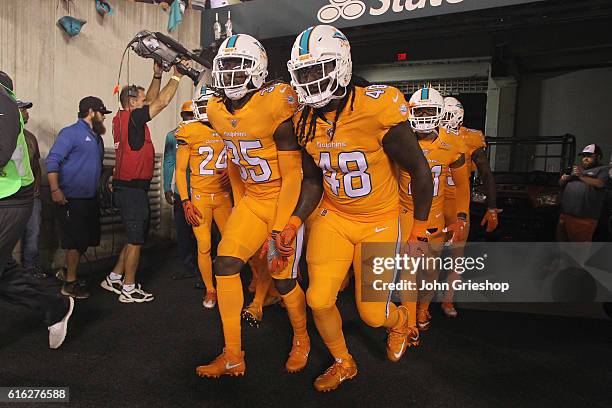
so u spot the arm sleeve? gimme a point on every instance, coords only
(462, 183)
(182, 164)
(138, 119)
(290, 165)
(9, 127)
(59, 152)
(169, 160)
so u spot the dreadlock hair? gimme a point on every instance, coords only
(304, 136)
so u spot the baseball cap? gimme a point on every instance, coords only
(91, 102)
(186, 107)
(591, 149)
(24, 104)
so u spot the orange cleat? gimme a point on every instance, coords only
(335, 375)
(225, 364)
(413, 337)
(298, 356)
(397, 341)
(210, 300)
(253, 314)
(423, 319)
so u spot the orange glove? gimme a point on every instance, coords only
(276, 262)
(458, 230)
(418, 243)
(285, 239)
(191, 213)
(491, 219)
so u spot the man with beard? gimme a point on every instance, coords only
(74, 166)
(584, 192)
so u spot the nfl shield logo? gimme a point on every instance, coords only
(234, 122)
(330, 132)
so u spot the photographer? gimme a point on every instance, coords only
(16, 197)
(134, 163)
(582, 197)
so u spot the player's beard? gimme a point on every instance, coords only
(98, 127)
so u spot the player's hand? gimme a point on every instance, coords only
(418, 242)
(458, 230)
(192, 214)
(286, 238)
(169, 196)
(276, 262)
(491, 219)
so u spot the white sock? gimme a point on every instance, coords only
(129, 288)
(114, 276)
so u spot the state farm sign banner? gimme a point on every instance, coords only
(277, 18)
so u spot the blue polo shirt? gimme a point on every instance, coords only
(77, 156)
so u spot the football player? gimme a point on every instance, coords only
(254, 120)
(351, 136)
(446, 157)
(476, 159)
(202, 151)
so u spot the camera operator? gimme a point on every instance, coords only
(134, 163)
(583, 196)
(16, 199)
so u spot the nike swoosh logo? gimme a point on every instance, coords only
(229, 366)
(414, 338)
(396, 98)
(381, 229)
(342, 378)
(283, 90)
(399, 353)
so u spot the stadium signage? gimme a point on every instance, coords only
(278, 18)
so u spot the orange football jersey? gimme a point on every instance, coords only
(440, 155)
(474, 140)
(207, 156)
(360, 180)
(248, 134)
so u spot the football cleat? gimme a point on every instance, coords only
(423, 319)
(298, 356)
(210, 299)
(413, 337)
(335, 375)
(449, 309)
(226, 363)
(253, 314)
(397, 341)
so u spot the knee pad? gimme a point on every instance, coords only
(317, 300)
(374, 314)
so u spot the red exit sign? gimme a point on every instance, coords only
(402, 56)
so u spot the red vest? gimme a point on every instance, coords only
(131, 165)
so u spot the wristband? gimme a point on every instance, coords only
(53, 191)
(176, 78)
(157, 77)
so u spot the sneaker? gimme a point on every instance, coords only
(225, 364)
(61, 274)
(413, 339)
(335, 375)
(253, 314)
(58, 331)
(112, 285)
(449, 309)
(298, 356)
(423, 319)
(74, 290)
(398, 338)
(210, 300)
(137, 295)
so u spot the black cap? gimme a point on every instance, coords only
(91, 102)
(6, 80)
(24, 104)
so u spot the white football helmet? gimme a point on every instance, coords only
(199, 102)
(325, 49)
(421, 99)
(453, 114)
(243, 56)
